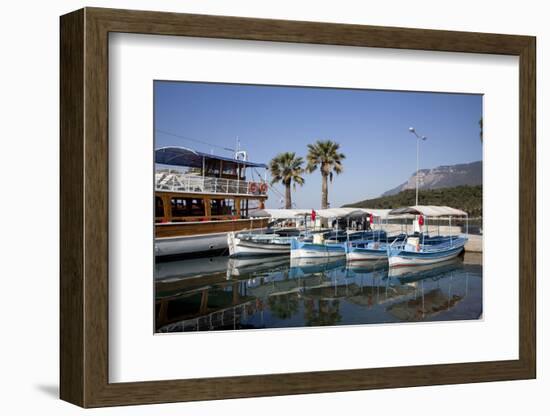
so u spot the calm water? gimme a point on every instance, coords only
(273, 292)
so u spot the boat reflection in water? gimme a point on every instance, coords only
(432, 299)
(277, 292)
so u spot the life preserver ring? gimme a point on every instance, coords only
(253, 187)
(263, 188)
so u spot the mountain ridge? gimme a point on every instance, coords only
(444, 176)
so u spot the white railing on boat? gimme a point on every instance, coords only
(177, 182)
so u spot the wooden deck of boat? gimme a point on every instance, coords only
(179, 229)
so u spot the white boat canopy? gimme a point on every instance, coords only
(320, 213)
(376, 212)
(280, 214)
(340, 213)
(429, 211)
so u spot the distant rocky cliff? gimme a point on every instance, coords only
(443, 177)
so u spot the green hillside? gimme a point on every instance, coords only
(466, 198)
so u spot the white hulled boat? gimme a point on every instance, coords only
(276, 242)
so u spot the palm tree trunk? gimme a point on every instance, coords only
(324, 197)
(288, 196)
(324, 192)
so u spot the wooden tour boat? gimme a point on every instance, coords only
(200, 197)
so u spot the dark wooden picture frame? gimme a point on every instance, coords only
(84, 207)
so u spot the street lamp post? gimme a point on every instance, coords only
(418, 138)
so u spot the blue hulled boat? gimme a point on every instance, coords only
(331, 244)
(416, 250)
(315, 248)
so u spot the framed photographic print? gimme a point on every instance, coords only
(255, 207)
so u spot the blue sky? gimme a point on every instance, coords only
(371, 127)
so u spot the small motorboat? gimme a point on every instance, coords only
(417, 250)
(316, 248)
(377, 249)
(243, 244)
(275, 240)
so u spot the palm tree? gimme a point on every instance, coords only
(287, 169)
(324, 155)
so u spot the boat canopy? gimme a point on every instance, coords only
(340, 213)
(320, 213)
(281, 214)
(376, 212)
(182, 156)
(429, 211)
